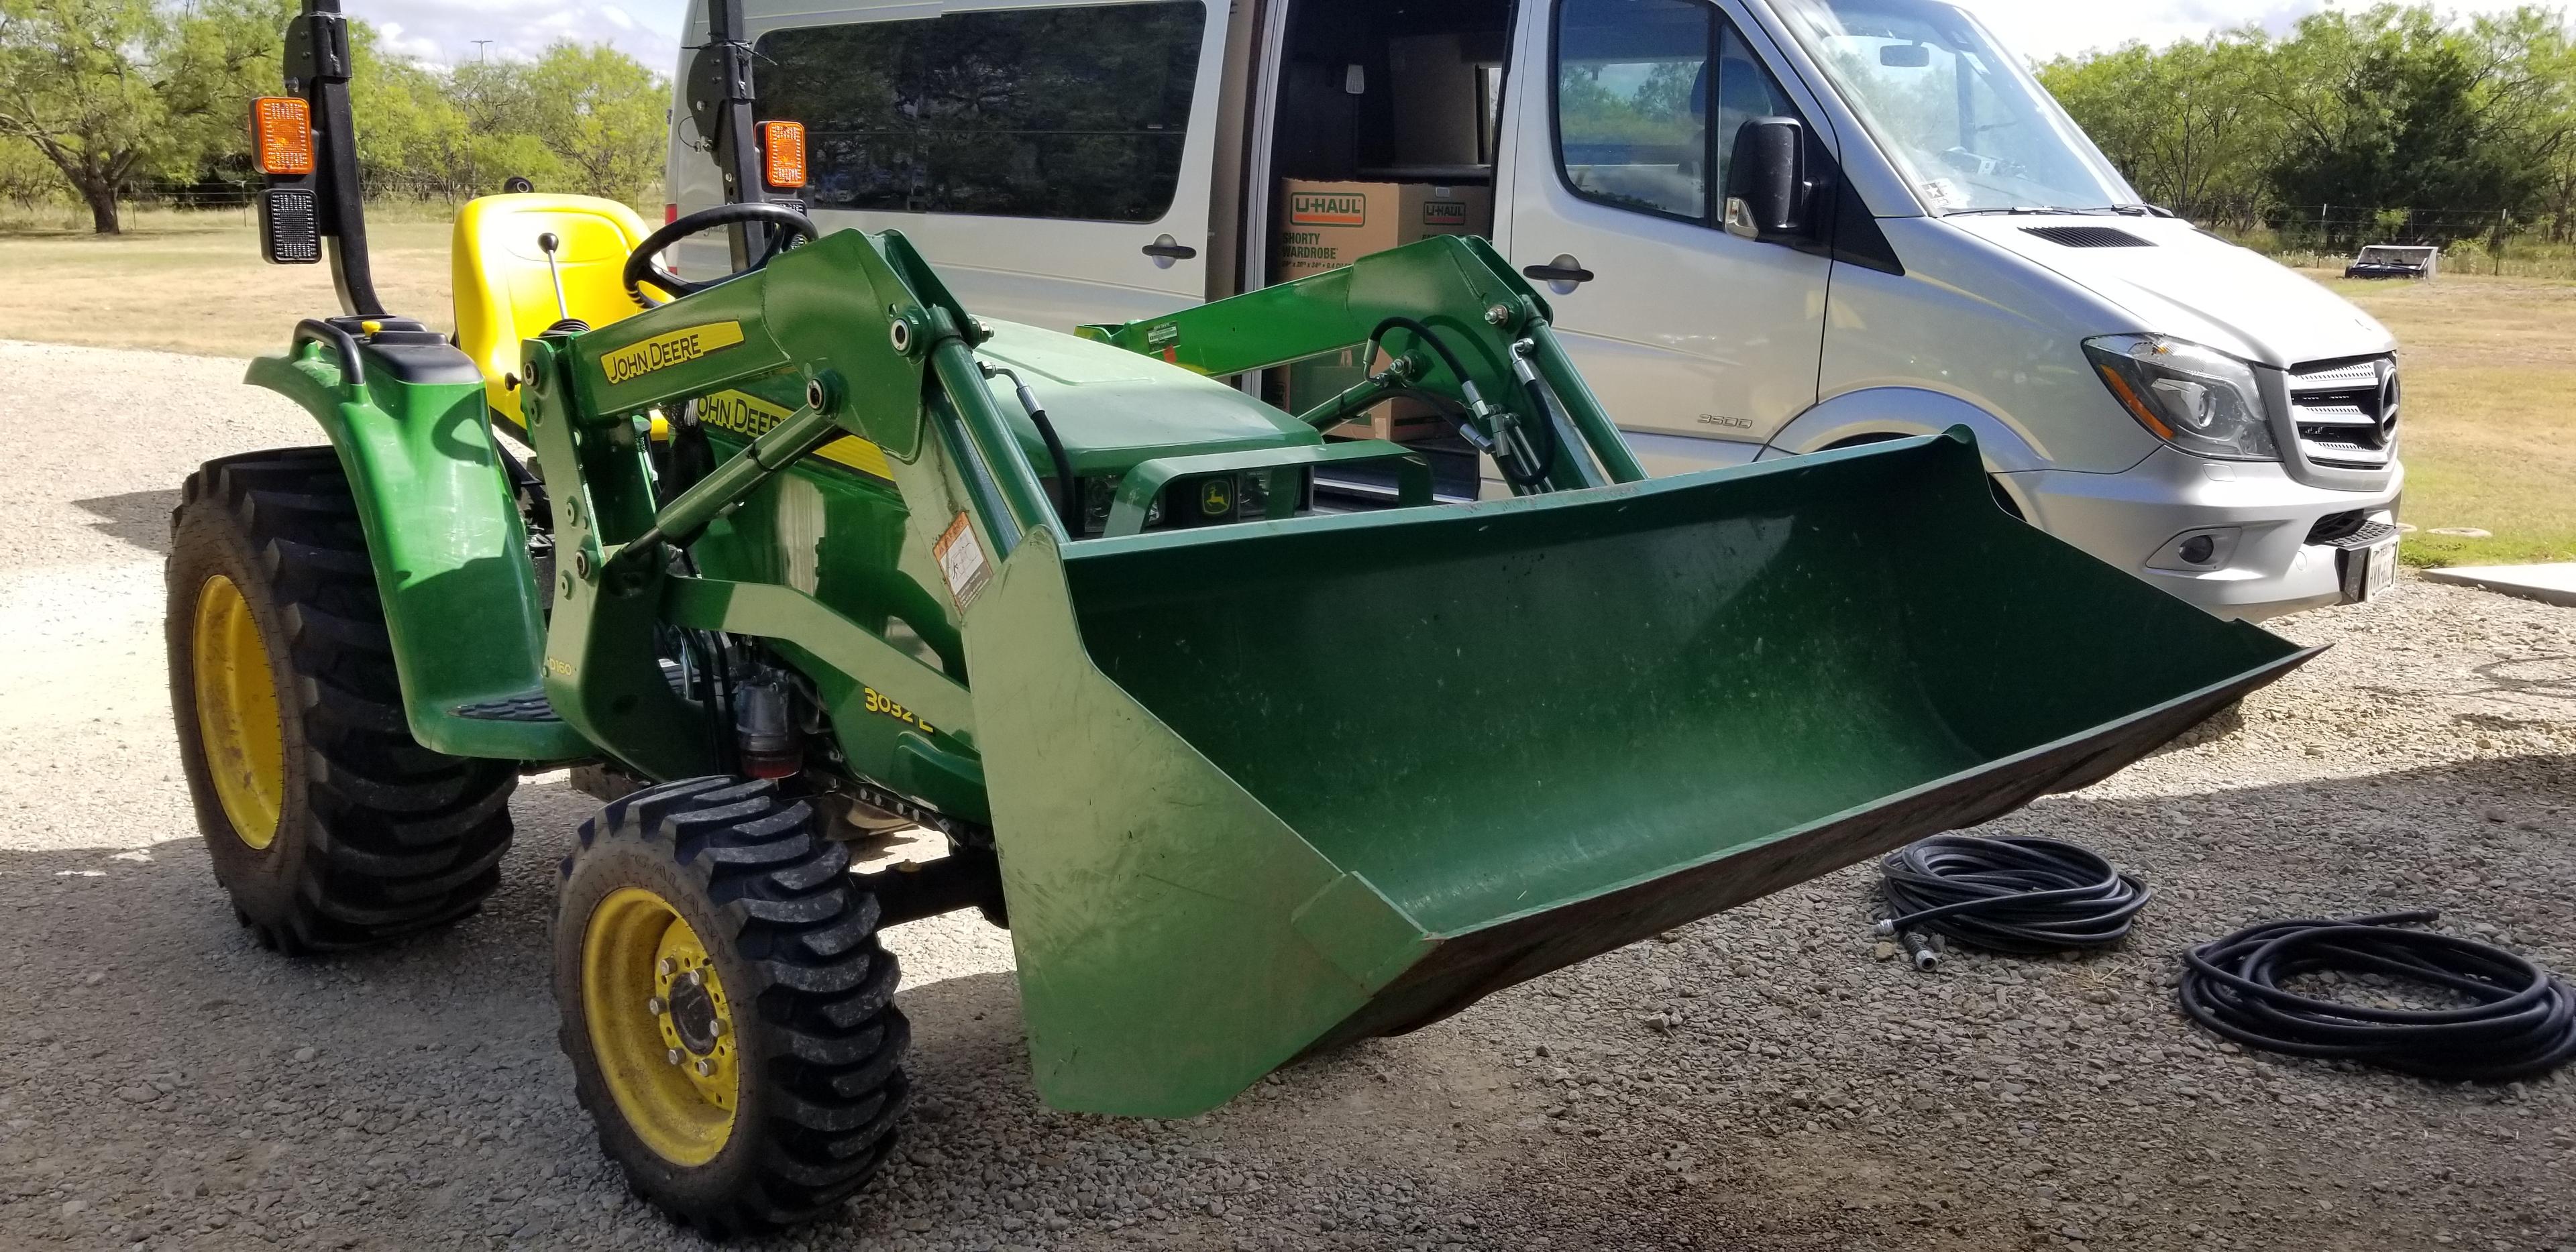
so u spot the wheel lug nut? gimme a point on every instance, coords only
(706, 1069)
(719, 1028)
(697, 978)
(674, 1055)
(654, 1007)
(664, 967)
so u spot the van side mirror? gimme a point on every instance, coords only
(1766, 184)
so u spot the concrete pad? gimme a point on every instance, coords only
(2554, 583)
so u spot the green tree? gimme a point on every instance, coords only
(2359, 125)
(2395, 108)
(2184, 124)
(114, 94)
(76, 82)
(414, 139)
(601, 113)
(27, 179)
(222, 54)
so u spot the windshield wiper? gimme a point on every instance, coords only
(2034, 210)
(2020, 210)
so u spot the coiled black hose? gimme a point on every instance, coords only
(2018, 893)
(2523, 1022)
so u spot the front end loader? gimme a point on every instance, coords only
(784, 561)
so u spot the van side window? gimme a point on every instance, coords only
(1636, 83)
(1075, 113)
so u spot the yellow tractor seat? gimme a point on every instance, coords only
(504, 294)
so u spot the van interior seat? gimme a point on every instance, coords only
(504, 294)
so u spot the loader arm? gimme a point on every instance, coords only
(1493, 325)
(885, 354)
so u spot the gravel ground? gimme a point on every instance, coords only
(1760, 1079)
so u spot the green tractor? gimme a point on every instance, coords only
(788, 560)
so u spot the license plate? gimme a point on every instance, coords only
(2369, 572)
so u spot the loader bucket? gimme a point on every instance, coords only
(1266, 788)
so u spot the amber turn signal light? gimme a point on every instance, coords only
(782, 154)
(281, 135)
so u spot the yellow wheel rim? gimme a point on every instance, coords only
(237, 713)
(660, 1026)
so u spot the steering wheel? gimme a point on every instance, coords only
(790, 227)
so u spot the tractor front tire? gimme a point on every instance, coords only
(328, 824)
(727, 1008)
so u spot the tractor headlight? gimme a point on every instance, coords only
(2197, 399)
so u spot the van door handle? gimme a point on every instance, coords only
(1166, 250)
(1564, 269)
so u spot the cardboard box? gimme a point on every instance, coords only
(1327, 225)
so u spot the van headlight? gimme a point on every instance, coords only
(2197, 399)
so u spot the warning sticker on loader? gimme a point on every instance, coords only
(961, 562)
(661, 352)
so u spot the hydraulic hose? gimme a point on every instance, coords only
(2019, 893)
(1529, 476)
(1068, 488)
(1540, 462)
(2522, 1022)
(1429, 338)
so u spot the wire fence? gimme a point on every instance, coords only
(2473, 241)
(239, 201)
(214, 205)
(2336, 225)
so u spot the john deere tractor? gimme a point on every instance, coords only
(785, 560)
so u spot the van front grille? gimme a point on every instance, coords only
(2346, 412)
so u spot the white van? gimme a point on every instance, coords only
(1928, 240)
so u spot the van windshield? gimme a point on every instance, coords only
(1959, 117)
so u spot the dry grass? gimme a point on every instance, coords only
(2490, 438)
(194, 283)
(2490, 367)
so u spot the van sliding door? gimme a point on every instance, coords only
(1054, 162)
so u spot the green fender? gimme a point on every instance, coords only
(450, 554)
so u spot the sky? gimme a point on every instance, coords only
(445, 30)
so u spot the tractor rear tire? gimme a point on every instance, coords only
(328, 824)
(726, 1005)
